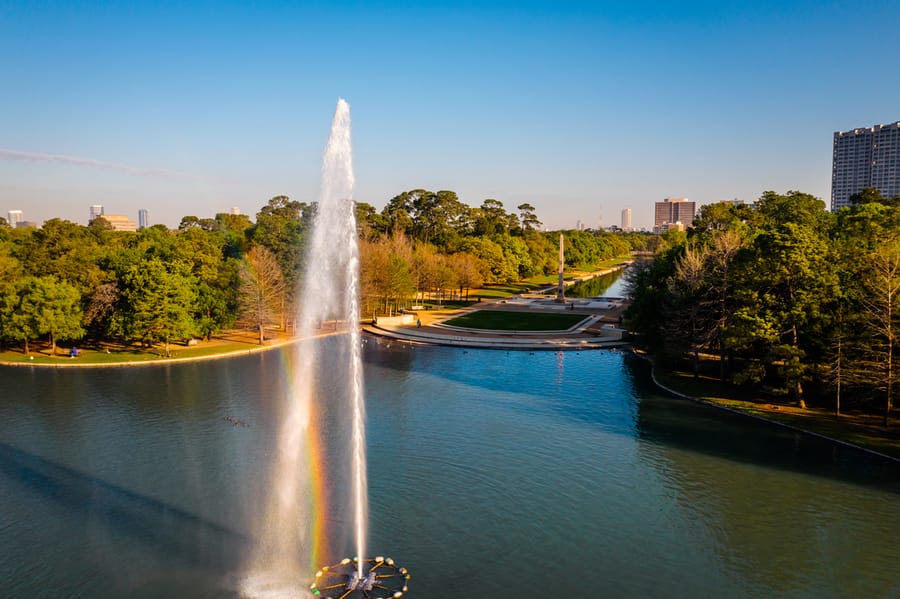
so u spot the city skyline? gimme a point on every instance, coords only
(579, 109)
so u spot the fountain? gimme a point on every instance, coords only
(291, 528)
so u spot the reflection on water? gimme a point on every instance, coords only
(504, 474)
(610, 285)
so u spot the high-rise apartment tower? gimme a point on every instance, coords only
(867, 157)
(14, 217)
(143, 218)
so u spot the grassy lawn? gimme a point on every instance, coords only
(859, 428)
(122, 353)
(501, 291)
(498, 320)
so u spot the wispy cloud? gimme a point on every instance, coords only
(21, 156)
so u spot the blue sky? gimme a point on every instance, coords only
(579, 108)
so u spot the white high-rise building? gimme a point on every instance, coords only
(14, 217)
(143, 218)
(626, 219)
(866, 157)
(96, 210)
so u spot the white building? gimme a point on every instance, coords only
(626, 219)
(14, 217)
(96, 210)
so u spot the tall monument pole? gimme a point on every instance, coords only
(560, 296)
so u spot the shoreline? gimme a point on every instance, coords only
(165, 361)
(758, 417)
(280, 343)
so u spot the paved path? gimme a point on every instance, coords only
(591, 333)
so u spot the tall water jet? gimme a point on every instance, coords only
(291, 526)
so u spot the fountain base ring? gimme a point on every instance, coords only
(373, 578)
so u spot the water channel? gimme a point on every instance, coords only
(491, 474)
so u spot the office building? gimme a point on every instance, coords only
(672, 212)
(96, 210)
(14, 217)
(143, 218)
(626, 219)
(866, 157)
(120, 222)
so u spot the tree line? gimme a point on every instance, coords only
(68, 282)
(782, 296)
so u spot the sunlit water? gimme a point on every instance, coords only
(492, 474)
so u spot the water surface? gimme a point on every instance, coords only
(496, 474)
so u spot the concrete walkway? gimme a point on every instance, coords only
(590, 333)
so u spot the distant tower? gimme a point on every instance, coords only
(14, 217)
(235, 210)
(560, 295)
(626, 219)
(96, 211)
(143, 218)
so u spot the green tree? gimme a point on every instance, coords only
(157, 301)
(528, 222)
(67, 251)
(280, 228)
(369, 223)
(795, 281)
(491, 218)
(498, 269)
(60, 313)
(437, 217)
(35, 306)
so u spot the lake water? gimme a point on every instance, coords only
(610, 285)
(492, 474)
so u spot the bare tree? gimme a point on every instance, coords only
(725, 245)
(880, 309)
(688, 313)
(465, 265)
(262, 289)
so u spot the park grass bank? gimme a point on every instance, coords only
(856, 428)
(111, 355)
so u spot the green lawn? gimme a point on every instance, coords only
(501, 291)
(118, 355)
(498, 320)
